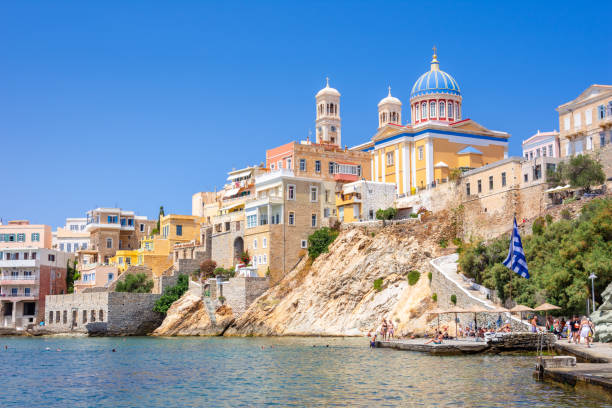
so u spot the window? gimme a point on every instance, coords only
(577, 120)
(416, 112)
(450, 110)
(588, 117)
(432, 109)
(35, 237)
(251, 221)
(544, 151)
(13, 291)
(271, 166)
(65, 317)
(313, 222)
(589, 143)
(61, 246)
(317, 166)
(279, 164)
(290, 192)
(291, 218)
(69, 247)
(359, 170)
(141, 227)
(304, 243)
(601, 112)
(84, 316)
(111, 276)
(289, 163)
(255, 243)
(11, 237)
(264, 243)
(526, 177)
(109, 243)
(20, 237)
(113, 219)
(314, 194)
(51, 257)
(179, 230)
(467, 188)
(327, 196)
(602, 139)
(490, 182)
(50, 317)
(265, 259)
(442, 109)
(120, 260)
(457, 113)
(479, 186)
(331, 167)
(537, 172)
(420, 152)
(302, 164)
(504, 179)
(566, 122)
(538, 152)
(326, 212)
(26, 291)
(93, 316)
(424, 111)
(390, 159)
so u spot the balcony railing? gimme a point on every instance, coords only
(19, 294)
(18, 278)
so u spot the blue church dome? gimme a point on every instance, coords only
(435, 81)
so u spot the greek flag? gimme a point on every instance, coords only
(516, 256)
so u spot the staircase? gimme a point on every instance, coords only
(210, 308)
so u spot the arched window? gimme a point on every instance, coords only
(450, 110)
(424, 111)
(442, 110)
(457, 115)
(416, 112)
(432, 109)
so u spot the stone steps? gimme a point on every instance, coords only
(210, 308)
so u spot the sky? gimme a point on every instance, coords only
(140, 104)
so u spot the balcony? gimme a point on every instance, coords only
(18, 280)
(19, 295)
(18, 263)
(272, 200)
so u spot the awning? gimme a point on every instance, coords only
(558, 188)
(231, 192)
(229, 207)
(239, 175)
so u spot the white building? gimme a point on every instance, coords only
(72, 237)
(359, 200)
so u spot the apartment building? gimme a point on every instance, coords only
(542, 144)
(27, 275)
(284, 212)
(72, 237)
(359, 201)
(20, 233)
(585, 123)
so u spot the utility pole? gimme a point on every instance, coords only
(592, 277)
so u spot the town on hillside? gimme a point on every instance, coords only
(108, 270)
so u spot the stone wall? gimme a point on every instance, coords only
(436, 199)
(240, 292)
(104, 313)
(132, 270)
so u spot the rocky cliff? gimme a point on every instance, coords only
(189, 316)
(335, 294)
(602, 317)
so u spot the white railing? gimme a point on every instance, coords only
(16, 278)
(33, 293)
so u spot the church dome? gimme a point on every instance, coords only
(435, 81)
(390, 100)
(327, 90)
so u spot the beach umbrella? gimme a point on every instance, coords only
(545, 307)
(500, 310)
(520, 309)
(455, 310)
(437, 311)
(475, 310)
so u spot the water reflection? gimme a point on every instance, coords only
(256, 372)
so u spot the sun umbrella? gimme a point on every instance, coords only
(437, 311)
(475, 310)
(545, 307)
(455, 310)
(520, 309)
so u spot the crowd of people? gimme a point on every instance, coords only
(576, 330)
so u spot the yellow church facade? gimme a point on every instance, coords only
(424, 152)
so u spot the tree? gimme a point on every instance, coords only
(455, 175)
(71, 276)
(135, 283)
(580, 171)
(320, 240)
(207, 268)
(387, 214)
(161, 214)
(172, 294)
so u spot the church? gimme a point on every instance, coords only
(422, 153)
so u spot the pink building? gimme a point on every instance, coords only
(20, 233)
(542, 144)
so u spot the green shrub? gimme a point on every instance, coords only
(221, 299)
(320, 240)
(538, 226)
(373, 235)
(565, 214)
(414, 215)
(413, 277)
(378, 284)
(207, 268)
(457, 242)
(387, 214)
(429, 276)
(172, 294)
(443, 243)
(453, 299)
(434, 297)
(549, 219)
(135, 283)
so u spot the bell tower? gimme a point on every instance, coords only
(328, 116)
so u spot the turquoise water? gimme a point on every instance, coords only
(196, 372)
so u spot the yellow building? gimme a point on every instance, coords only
(123, 259)
(422, 153)
(359, 201)
(156, 251)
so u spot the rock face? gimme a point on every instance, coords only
(335, 295)
(189, 316)
(602, 317)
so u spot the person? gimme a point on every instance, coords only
(534, 324)
(499, 322)
(373, 341)
(436, 339)
(390, 329)
(585, 331)
(383, 329)
(446, 336)
(568, 330)
(575, 329)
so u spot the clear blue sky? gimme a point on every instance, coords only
(143, 104)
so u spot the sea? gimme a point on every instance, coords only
(258, 372)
